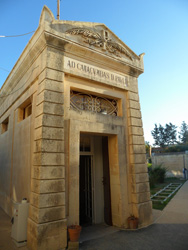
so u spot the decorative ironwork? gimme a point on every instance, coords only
(87, 102)
(95, 39)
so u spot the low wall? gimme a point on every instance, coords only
(174, 162)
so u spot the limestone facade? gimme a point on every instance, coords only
(51, 102)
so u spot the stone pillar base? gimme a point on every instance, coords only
(47, 236)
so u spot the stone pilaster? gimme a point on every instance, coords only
(47, 220)
(138, 175)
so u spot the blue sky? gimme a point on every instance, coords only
(157, 27)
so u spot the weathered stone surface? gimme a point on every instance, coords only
(50, 108)
(49, 121)
(140, 187)
(101, 72)
(139, 168)
(51, 85)
(43, 215)
(50, 96)
(49, 133)
(134, 105)
(44, 145)
(141, 177)
(136, 131)
(133, 96)
(47, 236)
(52, 75)
(137, 149)
(47, 200)
(137, 140)
(138, 158)
(47, 186)
(140, 197)
(135, 113)
(48, 172)
(143, 212)
(48, 159)
(135, 121)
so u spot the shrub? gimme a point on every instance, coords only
(157, 175)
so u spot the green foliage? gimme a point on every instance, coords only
(177, 148)
(149, 165)
(147, 145)
(159, 205)
(164, 136)
(183, 134)
(157, 175)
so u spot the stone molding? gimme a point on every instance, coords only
(101, 41)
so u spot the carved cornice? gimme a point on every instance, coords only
(101, 41)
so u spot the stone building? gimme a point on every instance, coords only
(71, 138)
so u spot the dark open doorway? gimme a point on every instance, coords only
(85, 190)
(95, 195)
(106, 183)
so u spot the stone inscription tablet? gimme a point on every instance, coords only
(79, 68)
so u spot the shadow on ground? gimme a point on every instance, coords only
(155, 237)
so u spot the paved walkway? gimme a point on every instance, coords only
(169, 231)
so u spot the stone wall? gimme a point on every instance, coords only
(174, 162)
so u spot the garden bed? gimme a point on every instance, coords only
(159, 186)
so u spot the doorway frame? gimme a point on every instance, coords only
(118, 173)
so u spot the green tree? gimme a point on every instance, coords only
(183, 134)
(158, 135)
(170, 134)
(147, 145)
(164, 136)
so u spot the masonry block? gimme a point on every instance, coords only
(47, 186)
(140, 187)
(50, 96)
(45, 145)
(140, 197)
(144, 212)
(138, 168)
(138, 158)
(133, 96)
(137, 139)
(47, 200)
(42, 215)
(137, 149)
(48, 84)
(134, 113)
(49, 133)
(51, 74)
(48, 172)
(49, 121)
(140, 177)
(48, 159)
(135, 121)
(134, 104)
(136, 131)
(47, 236)
(49, 108)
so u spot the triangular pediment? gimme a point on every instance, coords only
(96, 36)
(101, 38)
